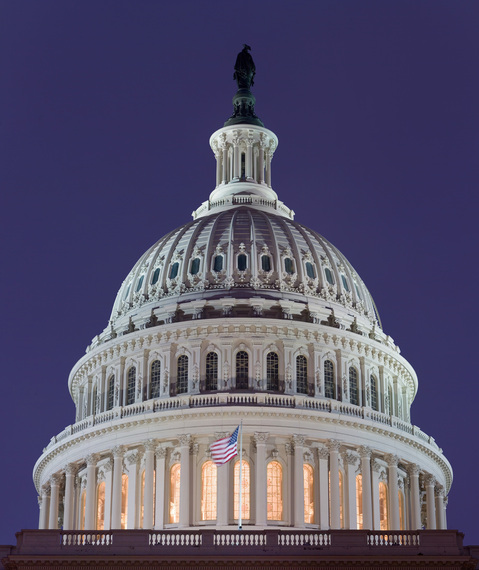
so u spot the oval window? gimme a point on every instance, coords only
(309, 270)
(156, 275)
(195, 266)
(174, 270)
(140, 283)
(288, 265)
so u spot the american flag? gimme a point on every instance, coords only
(225, 449)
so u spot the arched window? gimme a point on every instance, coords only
(218, 263)
(301, 374)
(383, 507)
(359, 501)
(211, 371)
(175, 474)
(242, 370)
(131, 386)
(156, 275)
(353, 386)
(100, 506)
(242, 262)
(139, 284)
(265, 263)
(174, 270)
(195, 266)
(182, 375)
(288, 265)
(110, 393)
(329, 387)
(82, 509)
(155, 379)
(310, 270)
(329, 276)
(245, 490)
(272, 371)
(124, 501)
(208, 491)
(402, 525)
(308, 481)
(274, 491)
(374, 393)
(345, 283)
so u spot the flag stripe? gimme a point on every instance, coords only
(225, 449)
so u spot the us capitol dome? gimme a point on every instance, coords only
(243, 315)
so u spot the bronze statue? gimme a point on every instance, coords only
(244, 69)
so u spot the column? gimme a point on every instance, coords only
(185, 440)
(160, 488)
(217, 152)
(351, 461)
(440, 493)
(392, 461)
(323, 457)
(54, 498)
(261, 159)
(224, 162)
(365, 454)
(298, 481)
(44, 508)
(108, 471)
(222, 495)
(90, 522)
(375, 469)
(70, 472)
(260, 439)
(249, 156)
(118, 453)
(133, 515)
(150, 446)
(413, 471)
(430, 506)
(236, 155)
(334, 446)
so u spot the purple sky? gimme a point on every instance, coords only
(106, 108)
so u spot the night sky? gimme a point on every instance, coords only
(106, 108)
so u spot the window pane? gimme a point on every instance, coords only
(195, 266)
(329, 391)
(329, 276)
(208, 491)
(174, 270)
(383, 507)
(301, 375)
(155, 381)
(111, 393)
(345, 283)
(100, 509)
(242, 262)
(359, 501)
(274, 491)
(308, 480)
(156, 275)
(131, 385)
(212, 371)
(310, 270)
(218, 264)
(124, 501)
(374, 393)
(175, 493)
(245, 490)
(288, 265)
(272, 371)
(353, 386)
(242, 370)
(182, 376)
(140, 283)
(265, 263)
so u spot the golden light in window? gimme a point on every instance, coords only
(208, 491)
(100, 510)
(82, 510)
(175, 475)
(142, 498)
(274, 491)
(341, 500)
(359, 501)
(402, 525)
(383, 507)
(245, 490)
(124, 500)
(308, 480)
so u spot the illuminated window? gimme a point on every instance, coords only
(274, 491)
(100, 506)
(218, 263)
(308, 481)
(195, 266)
(329, 276)
(310, 270)
(353, 386)
(211, 371)
(182, 375)
(82, 509)
(265, 263)
(142, 498)
(359, 501)
(272, 371)
(301, 375)
(175, 493)
(111, 393)
(383, 507)
(288, 266)
(174, 270)
(131, 386)
(156, 275)
(140, 283)
(124, 501)
(341, 500)
(329, 390)
(374, 393)
(208, 491)
(242, 370)
(245, 490)
(155, 379)
(242, 262)
(402, 525)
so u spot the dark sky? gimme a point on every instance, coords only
(106, 108)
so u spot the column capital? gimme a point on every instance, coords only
(391, 459)
(195, 448)
(134, 458)
(184, 439)
(323, 453)
(350, 458)
(118, 451)
(150, 444)
(440, 491)
(288, 446)
(55, 480)
(92, 459)
(261, 437)
(71, 469)
(430, 480)
(333, 445)
(161, 452)
(365, 452)
(413, 470)
(298, 440)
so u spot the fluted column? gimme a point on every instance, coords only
(365, 454)
(224, 160)
(249, 158)
(323, 457)
(149, 446)
(133, 514)
(260, 439)
(118, 453)
(54, 500)
(222, 495)
(70, 472)
(413, 471)
(91, 462)
(430, 503)
(185, 441)
(392, 461)
(298, 481)
(375, 476)
(236, 155)
(334, 447)
(351, 461)
(261, 159)
(440, 493)
(160, 488)
(44, 508)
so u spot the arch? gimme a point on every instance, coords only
(130, 385)
(245, 490)
(208, 491)
(359, 501)
(274, 491)
(308, 482)
(182, 374)
(110, 396)
(383, 507)
(242, 370)
(272, 371)
(211, 378)
(124, 501)
(155, 379)
(329, 383)
(353, 386)
(374, 393)
(100, 506)
(301, 374)
(174, 509)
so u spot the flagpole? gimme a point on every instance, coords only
(240, 475)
